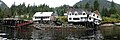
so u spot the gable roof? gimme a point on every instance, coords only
(79, 10)
(97, 12)
(43, 14)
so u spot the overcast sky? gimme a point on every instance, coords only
(51, 3)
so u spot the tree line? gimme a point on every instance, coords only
(30, 10)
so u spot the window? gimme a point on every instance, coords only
(45, 17)
(81, 17)
(93, 14)
(79, 13)
(75, 13)
(83, 13)
(75, 18)
(72, 13)
(97, 16)
(89, 18)
(70, 18)
(37, 17)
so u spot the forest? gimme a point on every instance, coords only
(109, 14)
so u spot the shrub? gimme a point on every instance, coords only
(110, 20)
(62, 18)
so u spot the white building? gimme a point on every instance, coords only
(45, 16)
(80, 15)
(76, 15)
(96, 16)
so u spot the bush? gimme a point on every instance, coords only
(110, 20)
(62, 18)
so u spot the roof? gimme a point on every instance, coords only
(43, 14)
(97, 12)
(80, 11)
(11, 19)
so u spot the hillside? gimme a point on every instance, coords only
(3, 5)
(102, 3)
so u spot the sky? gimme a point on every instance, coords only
(51, 3)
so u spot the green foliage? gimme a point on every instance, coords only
(96, 5)
(110, 20)
(105, 12)
(62, 9)
(87, 5)
(22, 9)
(106, 8)
(30, 10)
(112, 9)
(62, 18)
(4, 13)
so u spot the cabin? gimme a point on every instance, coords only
(82, 16)
(44, 16)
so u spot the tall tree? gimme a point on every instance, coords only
(87, 5)
(112, 9)
(62, 9)
(105, 12)
(13, 9)
(96, 5)
(1, 14)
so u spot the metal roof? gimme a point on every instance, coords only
(43, 14)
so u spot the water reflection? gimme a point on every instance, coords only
(60, 33)
(49, 33)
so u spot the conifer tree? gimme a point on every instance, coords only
(87, 5)
(112, 9)
(96, 5)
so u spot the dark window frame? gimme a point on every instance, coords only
(75, 13)
(83, 13)
(70, 18)
(41, 17)
(89, 18)
(93, 14)
(69, 13)
(79, 13)
(97, 16)
(76, 18)
(72, 13)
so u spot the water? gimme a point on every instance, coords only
(111, 32)
(47, 33)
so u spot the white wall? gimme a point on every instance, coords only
(77, 16)
(37, 19)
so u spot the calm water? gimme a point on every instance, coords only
(27, 32)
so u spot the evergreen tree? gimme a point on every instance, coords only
(112, 9)
(87, 6)
(76, 6)
(1, 14)
(13, 9)
(105, 12)
(96, 5)
(62, 9)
